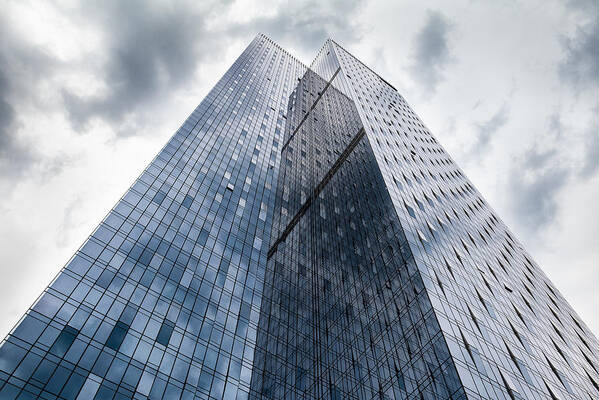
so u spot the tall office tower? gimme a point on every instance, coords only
(302, 236)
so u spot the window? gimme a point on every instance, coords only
(159, 197)
(560, 376)
(166, 330)
(410, 210)
(63, 342)
(117, 335)
(519, 364)
(474, 355)
(187, 201)
(514, 395)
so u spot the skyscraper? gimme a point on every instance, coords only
(302, 235)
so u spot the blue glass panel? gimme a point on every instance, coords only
(64, 341)
(117, 335)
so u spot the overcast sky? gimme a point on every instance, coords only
(90, 92)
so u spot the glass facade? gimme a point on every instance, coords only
(301, 236)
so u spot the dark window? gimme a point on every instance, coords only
(203, 237)
(187, 201)
(63, 342)
(105, 278)
(400, 381)
(410, 211)
(166, 330)
(117, 335)
(159, 197)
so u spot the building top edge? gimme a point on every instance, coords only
(264, 36)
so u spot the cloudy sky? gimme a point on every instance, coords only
(89, 92)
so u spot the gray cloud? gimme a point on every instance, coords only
(485, 130)
(579, 68)
(534, 185)
(556, 126)
(535, 159)
(591, 146)
(307, 25)
(22, 69)
(582, 4)
(586, 162)
(15, 156)
(537, 177)
(150, 49)
(580, 65)
(9, 148)
(431, 51)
